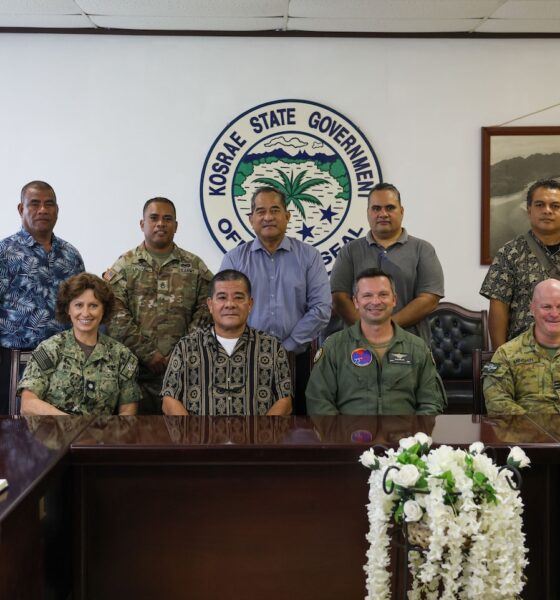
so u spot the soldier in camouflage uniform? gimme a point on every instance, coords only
(161, 294)
(524, 375)
(516, 269)
(81, 371)
(60, 373)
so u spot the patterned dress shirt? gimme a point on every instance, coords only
(511, 279)
(29, 281)
(207, 381)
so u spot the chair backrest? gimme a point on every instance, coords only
(479, 359)
(456, 332)
(18, 362)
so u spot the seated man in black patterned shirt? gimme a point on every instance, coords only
(228, 368)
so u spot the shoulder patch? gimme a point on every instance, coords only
(318, 355)
(129, 367)
(109, 274)
(489, 368)
(113, 274)
(43, 359)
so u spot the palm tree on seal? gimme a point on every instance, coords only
(294, 189)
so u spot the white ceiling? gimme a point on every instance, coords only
(331, 16)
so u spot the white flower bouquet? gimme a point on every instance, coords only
(461, 516)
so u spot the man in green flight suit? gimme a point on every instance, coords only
(160, 292)
(374, 367)
(524, 375)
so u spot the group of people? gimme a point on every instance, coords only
(159, 333)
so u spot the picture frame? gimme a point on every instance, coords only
(513, 158)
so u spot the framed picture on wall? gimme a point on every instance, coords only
(512, 159)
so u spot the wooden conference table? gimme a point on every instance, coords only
(240, 508)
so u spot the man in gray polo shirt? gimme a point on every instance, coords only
(412, 262)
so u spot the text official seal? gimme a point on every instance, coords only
(319, 158)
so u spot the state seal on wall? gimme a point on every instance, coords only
(320, 160)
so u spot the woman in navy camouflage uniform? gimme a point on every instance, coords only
(81, 371)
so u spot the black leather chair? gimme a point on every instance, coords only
(456, 332)
(479, 359)
(18, 362)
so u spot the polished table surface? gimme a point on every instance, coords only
(275, 437)
(30, 447)
(277, 504)
(35, 529)
(216, 504)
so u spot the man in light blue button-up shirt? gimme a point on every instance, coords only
(291, 291)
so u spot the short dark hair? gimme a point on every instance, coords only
(40, 185)
(385, 187)
(549, 184)
(159, 199)
(268, 189)
(75, 286)
(228, 275)
(372, 273)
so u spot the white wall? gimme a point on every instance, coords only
(110, 121)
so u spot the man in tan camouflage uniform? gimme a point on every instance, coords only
(524, 375)
(516, 269)
(161, 294)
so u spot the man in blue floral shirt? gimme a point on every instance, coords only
(33, 263)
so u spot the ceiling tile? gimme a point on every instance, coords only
(46, 21)
(186, 8)
(386, 9)
(384, 25)
(520, 26)
(39, 7)
(190, 23)
(529, 9)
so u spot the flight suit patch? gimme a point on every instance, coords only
(361, 357)
(318, 355)
(399, 358)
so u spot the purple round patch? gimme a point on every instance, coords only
(362, 357)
